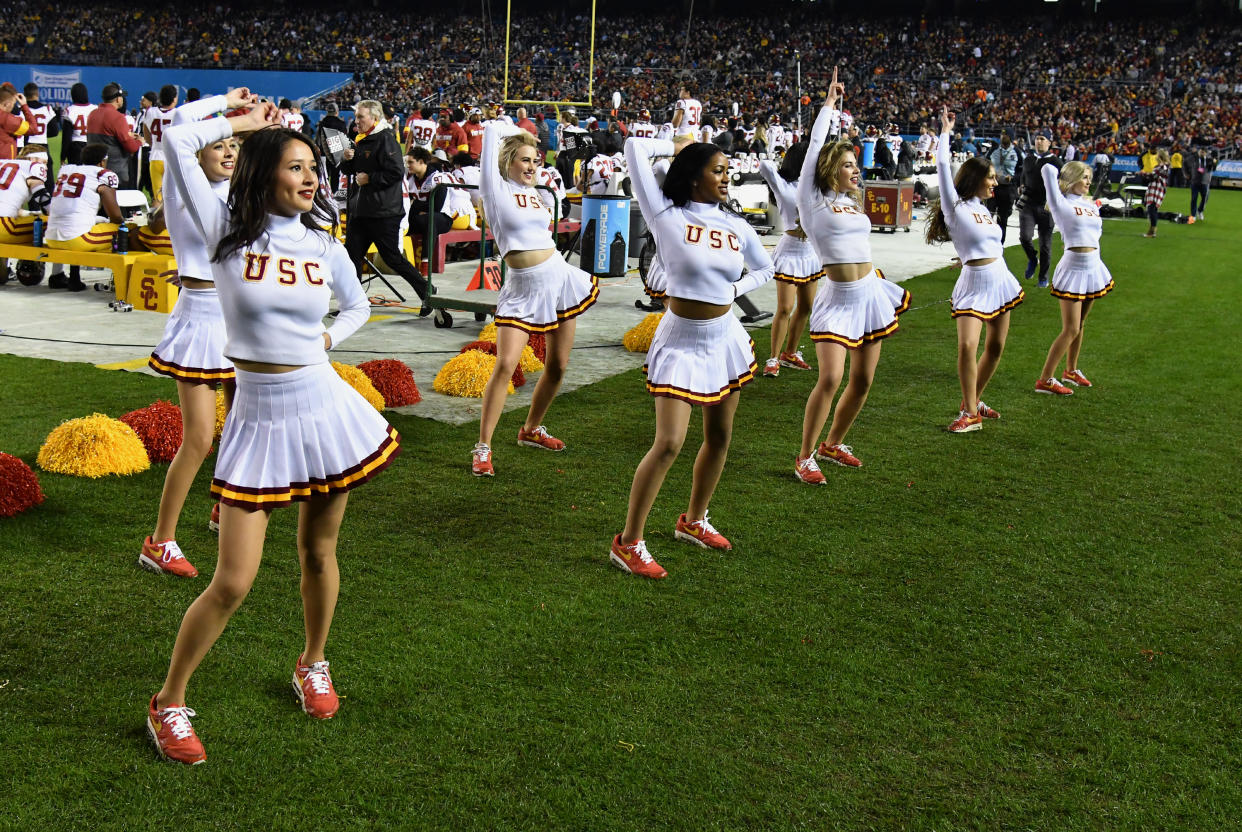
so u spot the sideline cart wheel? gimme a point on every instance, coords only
(442, 319)
(480, 316)
(29, 273)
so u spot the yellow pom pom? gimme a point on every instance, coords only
(639, 338)
(530, 362)
(358, 380)
(221, 412)
(488, 333)
(93, 446)
(466, 375)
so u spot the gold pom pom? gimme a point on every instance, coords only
(488, 333)
(466, 375)
(358, 380)
(529, 362)
(93, 446)
(639, 338)
(221, 412)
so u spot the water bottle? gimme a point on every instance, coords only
(37, 232)
(120, 243)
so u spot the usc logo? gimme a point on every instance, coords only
(1086, 212)
(715, 238)
(287, 270)
(983, 219)
(845, 209)
(529, 201)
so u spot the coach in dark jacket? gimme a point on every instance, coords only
(374, 203)
(1033, 212)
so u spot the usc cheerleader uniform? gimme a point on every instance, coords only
(1080, 275)
(795, 257)
(192, 348)
(537, 298)
(294, 435)
(850, 313)
(704, 248)
(656, 285)
(983, 292)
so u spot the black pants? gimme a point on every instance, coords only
(385, 233)
(1153, 212)
(1031, 218)
(1198, 196)
(1001, 204)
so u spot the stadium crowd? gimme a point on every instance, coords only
(1123, 83)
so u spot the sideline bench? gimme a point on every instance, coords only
(471, 235)
(138, 276)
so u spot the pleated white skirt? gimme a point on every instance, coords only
(192, 348)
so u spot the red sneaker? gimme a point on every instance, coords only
(635, 559)
(701, 533)
(987, 412)
(539, 438)
(794, 360)
(807, 470)
(213, 524)
(966, 422)
(1052, 387)
(173, 735)
(313, 685)
(772, 368)
(481, 463)
(165, 557)
(1076, 378)
(840, 454)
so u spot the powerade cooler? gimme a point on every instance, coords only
(605, 235)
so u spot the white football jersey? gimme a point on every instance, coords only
(778, 136)
(156, 121)
(708, 133)
(551, 178)
(691, 118)
(77, 115)
(294, 121)
(894, 143)
(598, 173)
(419, 132)
(38, 128)
(665, 133)
(14, 190)
(131, 122)
(471, 175)
(75, 202)
(643, 130)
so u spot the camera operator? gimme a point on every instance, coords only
(1033, 208)
(375, 205)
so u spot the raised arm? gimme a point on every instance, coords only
(828, 115)
(758, 261)
(201, 109)
(944, 167)
(1056, 200)
(355, 309)
(638, 156)
(785, 193)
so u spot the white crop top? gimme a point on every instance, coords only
(786, 193)
(516, 213)
(836, 225)
(275, 291)
(703, 246)
(1077, 218)
(189, 247)
(976, 236)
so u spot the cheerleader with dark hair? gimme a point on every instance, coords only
(986, 291)
(297, 432)
(700, 354)
(798, 267)
(855, 310)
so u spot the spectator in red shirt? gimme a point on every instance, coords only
(525, 123)
(106, 125)
(12, 126)
(474, 132)
(449, 136)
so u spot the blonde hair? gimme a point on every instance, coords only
(1071, 174)
(509, 149)
(1162, 156)
(828, 166)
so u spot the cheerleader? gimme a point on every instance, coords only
(798, 268)
(542, 293)
(1080, 277)
(986, 291)
(297, 432)
(856, 308)
(700, 354)
(656, 282)
(192, 349)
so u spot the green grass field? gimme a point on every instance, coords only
(1033, 627)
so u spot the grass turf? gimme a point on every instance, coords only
(1031, 627)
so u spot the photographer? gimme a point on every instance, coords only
(374, 203)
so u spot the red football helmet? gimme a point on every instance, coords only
(775, 119)
(644, 114)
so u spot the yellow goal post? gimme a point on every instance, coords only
(556, 104)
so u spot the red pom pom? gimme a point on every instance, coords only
(488, 347)
(539, 346)
(158, 425)
(394, 380)
(19, 487)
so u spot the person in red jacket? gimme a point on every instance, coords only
(12, 126)
(449, 136)
(106, 125)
